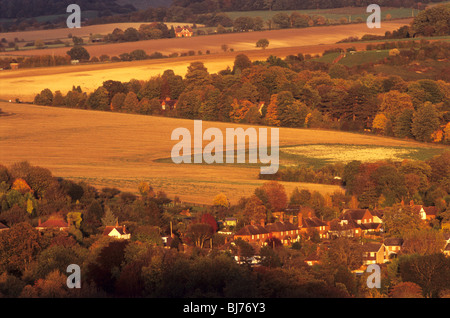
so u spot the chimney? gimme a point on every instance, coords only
(263, 222)
(39, 222)
(411, 203)
(291, 219)
(300, 220)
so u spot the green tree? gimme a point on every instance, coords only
(79, 53)
(425, 121)
(45, 97)
(99, 99)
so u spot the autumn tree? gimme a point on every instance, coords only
(79, 53)
(406, 290)
(276, 195)
(19, 247)
(425, 121)
(130, 103)
(254, 210)
(401, 219)
(199, 233)
(45, 98)
(393, 103)
(241, 62)
(262, 43)
(221, 200)
(99, 99)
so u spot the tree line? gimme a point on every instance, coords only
(292, 92)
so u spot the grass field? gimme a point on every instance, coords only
(121, 150)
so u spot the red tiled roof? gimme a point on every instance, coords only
(313, 222)
(252, 230)
(50, 223)
(281, 227)
(354, 214)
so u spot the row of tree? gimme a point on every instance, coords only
(290, 92)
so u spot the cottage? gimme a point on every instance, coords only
(426, 213)
(117, 231)
(55, 222)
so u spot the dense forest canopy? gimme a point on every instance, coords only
(35, 8)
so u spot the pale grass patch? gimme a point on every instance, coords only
(347, 153)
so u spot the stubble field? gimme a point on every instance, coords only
(121, 150)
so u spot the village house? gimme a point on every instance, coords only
(309, 224)
(117, 231)
(374, 253)
(393, 246)
(253, 233)
(182, 32)
(168, 104)
(426, 213)
(286, 232)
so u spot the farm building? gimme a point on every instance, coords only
(184, 32)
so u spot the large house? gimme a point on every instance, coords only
(374, 253)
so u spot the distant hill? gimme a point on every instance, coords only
(145, 4)
(36, 8)
(204, 6)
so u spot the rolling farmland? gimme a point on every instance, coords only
(121, 150)
(26, 83)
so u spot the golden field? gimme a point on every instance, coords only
(119, 150)
(26, 83)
